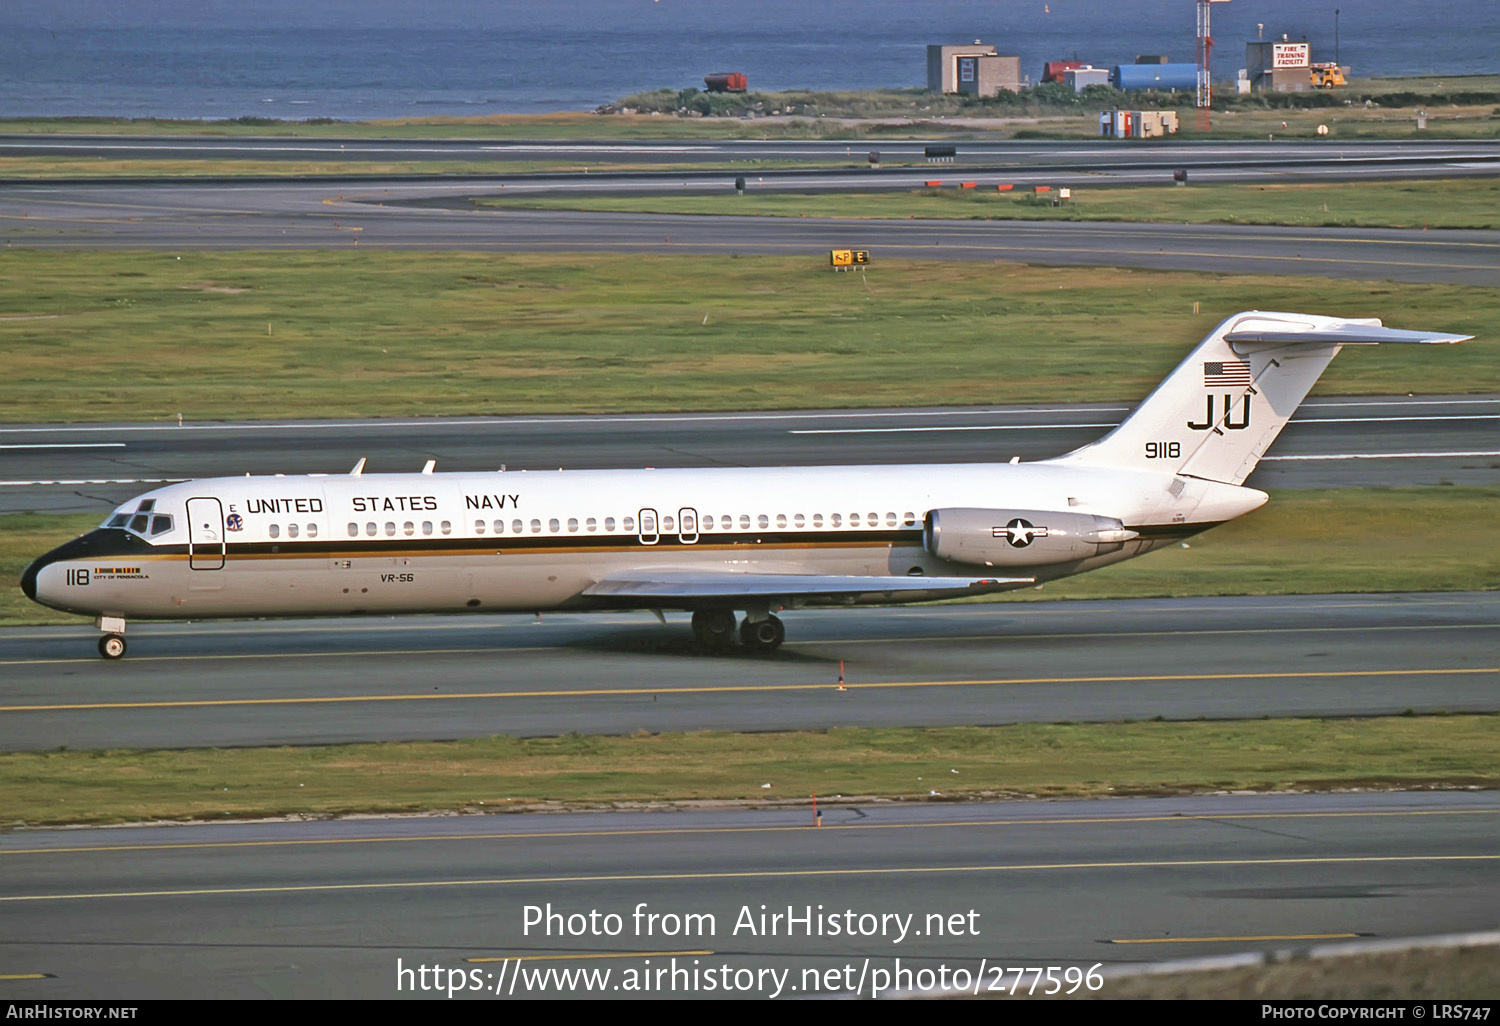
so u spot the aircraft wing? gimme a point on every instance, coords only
(727, 584)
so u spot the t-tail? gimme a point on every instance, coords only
(1218, 412)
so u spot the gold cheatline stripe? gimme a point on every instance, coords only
(1228, 940)
(607, 954)
(550, 835)
(26, 976)
(752, 875)
(717, 689)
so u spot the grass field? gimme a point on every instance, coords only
(1468, 203)
(94, 336)
(1302, 542)
(496, 774)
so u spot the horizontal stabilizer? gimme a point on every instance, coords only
(700, 584)
(1352, 333)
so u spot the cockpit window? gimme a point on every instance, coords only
(118, 520)
(161, 523)
(146, 506)
(138, 523)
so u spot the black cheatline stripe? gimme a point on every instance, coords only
(506, 543)
(110, 546)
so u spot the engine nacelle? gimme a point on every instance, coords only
(1020, 537)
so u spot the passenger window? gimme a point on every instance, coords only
(763, 521)
(447, 527)
(817, 520)
(628, 524)
(781, 520)
(609, 523)
(798, 520)
(726, 522)
(161, 523)
(553, 525)
(536, 527)
(572, 524)
(408, 528)
(275, 530)
(370, 530)
(744, 521)
(499, 526)
(390, 529)
(873, 520)
(833, 520)
(291, 530)
(666, 525)
(516, 527)
(312, 530)
(427, 527)
(591, 524)
(479, 527)
(853, 519)
(910, 518)
(890, 520)
(354, 530)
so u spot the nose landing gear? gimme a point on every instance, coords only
(112, 645)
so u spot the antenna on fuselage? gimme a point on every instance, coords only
(359, 468)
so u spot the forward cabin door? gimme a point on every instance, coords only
(205, 518)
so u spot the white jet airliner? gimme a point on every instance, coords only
(713, 541)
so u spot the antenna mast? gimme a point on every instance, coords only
(1205, 47)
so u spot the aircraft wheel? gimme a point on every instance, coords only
(112, 646)
(713, 628)
(763, 636)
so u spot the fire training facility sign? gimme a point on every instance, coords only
(848, 257)
(1289, 55)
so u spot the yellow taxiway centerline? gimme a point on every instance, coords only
(1237, 940)
(728, 688)
(606, 954)
(762, 874)
(784, 828)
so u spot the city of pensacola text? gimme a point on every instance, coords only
(795, 921)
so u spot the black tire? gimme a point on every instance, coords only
(763, 636)
(713, 628)
(112, 646)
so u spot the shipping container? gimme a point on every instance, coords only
(1154, 76)
(726, 82)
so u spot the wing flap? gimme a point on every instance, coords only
(699, 584)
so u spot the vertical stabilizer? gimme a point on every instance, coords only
(1219, 411)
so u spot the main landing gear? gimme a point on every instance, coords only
(713, 629)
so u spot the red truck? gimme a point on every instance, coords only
(727, 82)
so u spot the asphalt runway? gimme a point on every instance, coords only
(335, 909)
(1389, 441)
(296, 682)
(429, 215)
(1351, 155)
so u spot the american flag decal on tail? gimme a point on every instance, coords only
(1229, 372)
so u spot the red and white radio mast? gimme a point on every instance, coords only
(1205, 46)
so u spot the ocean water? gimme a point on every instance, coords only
(355, 59)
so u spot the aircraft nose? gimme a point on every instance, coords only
(28, 578)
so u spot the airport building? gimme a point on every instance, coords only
(973, 70)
